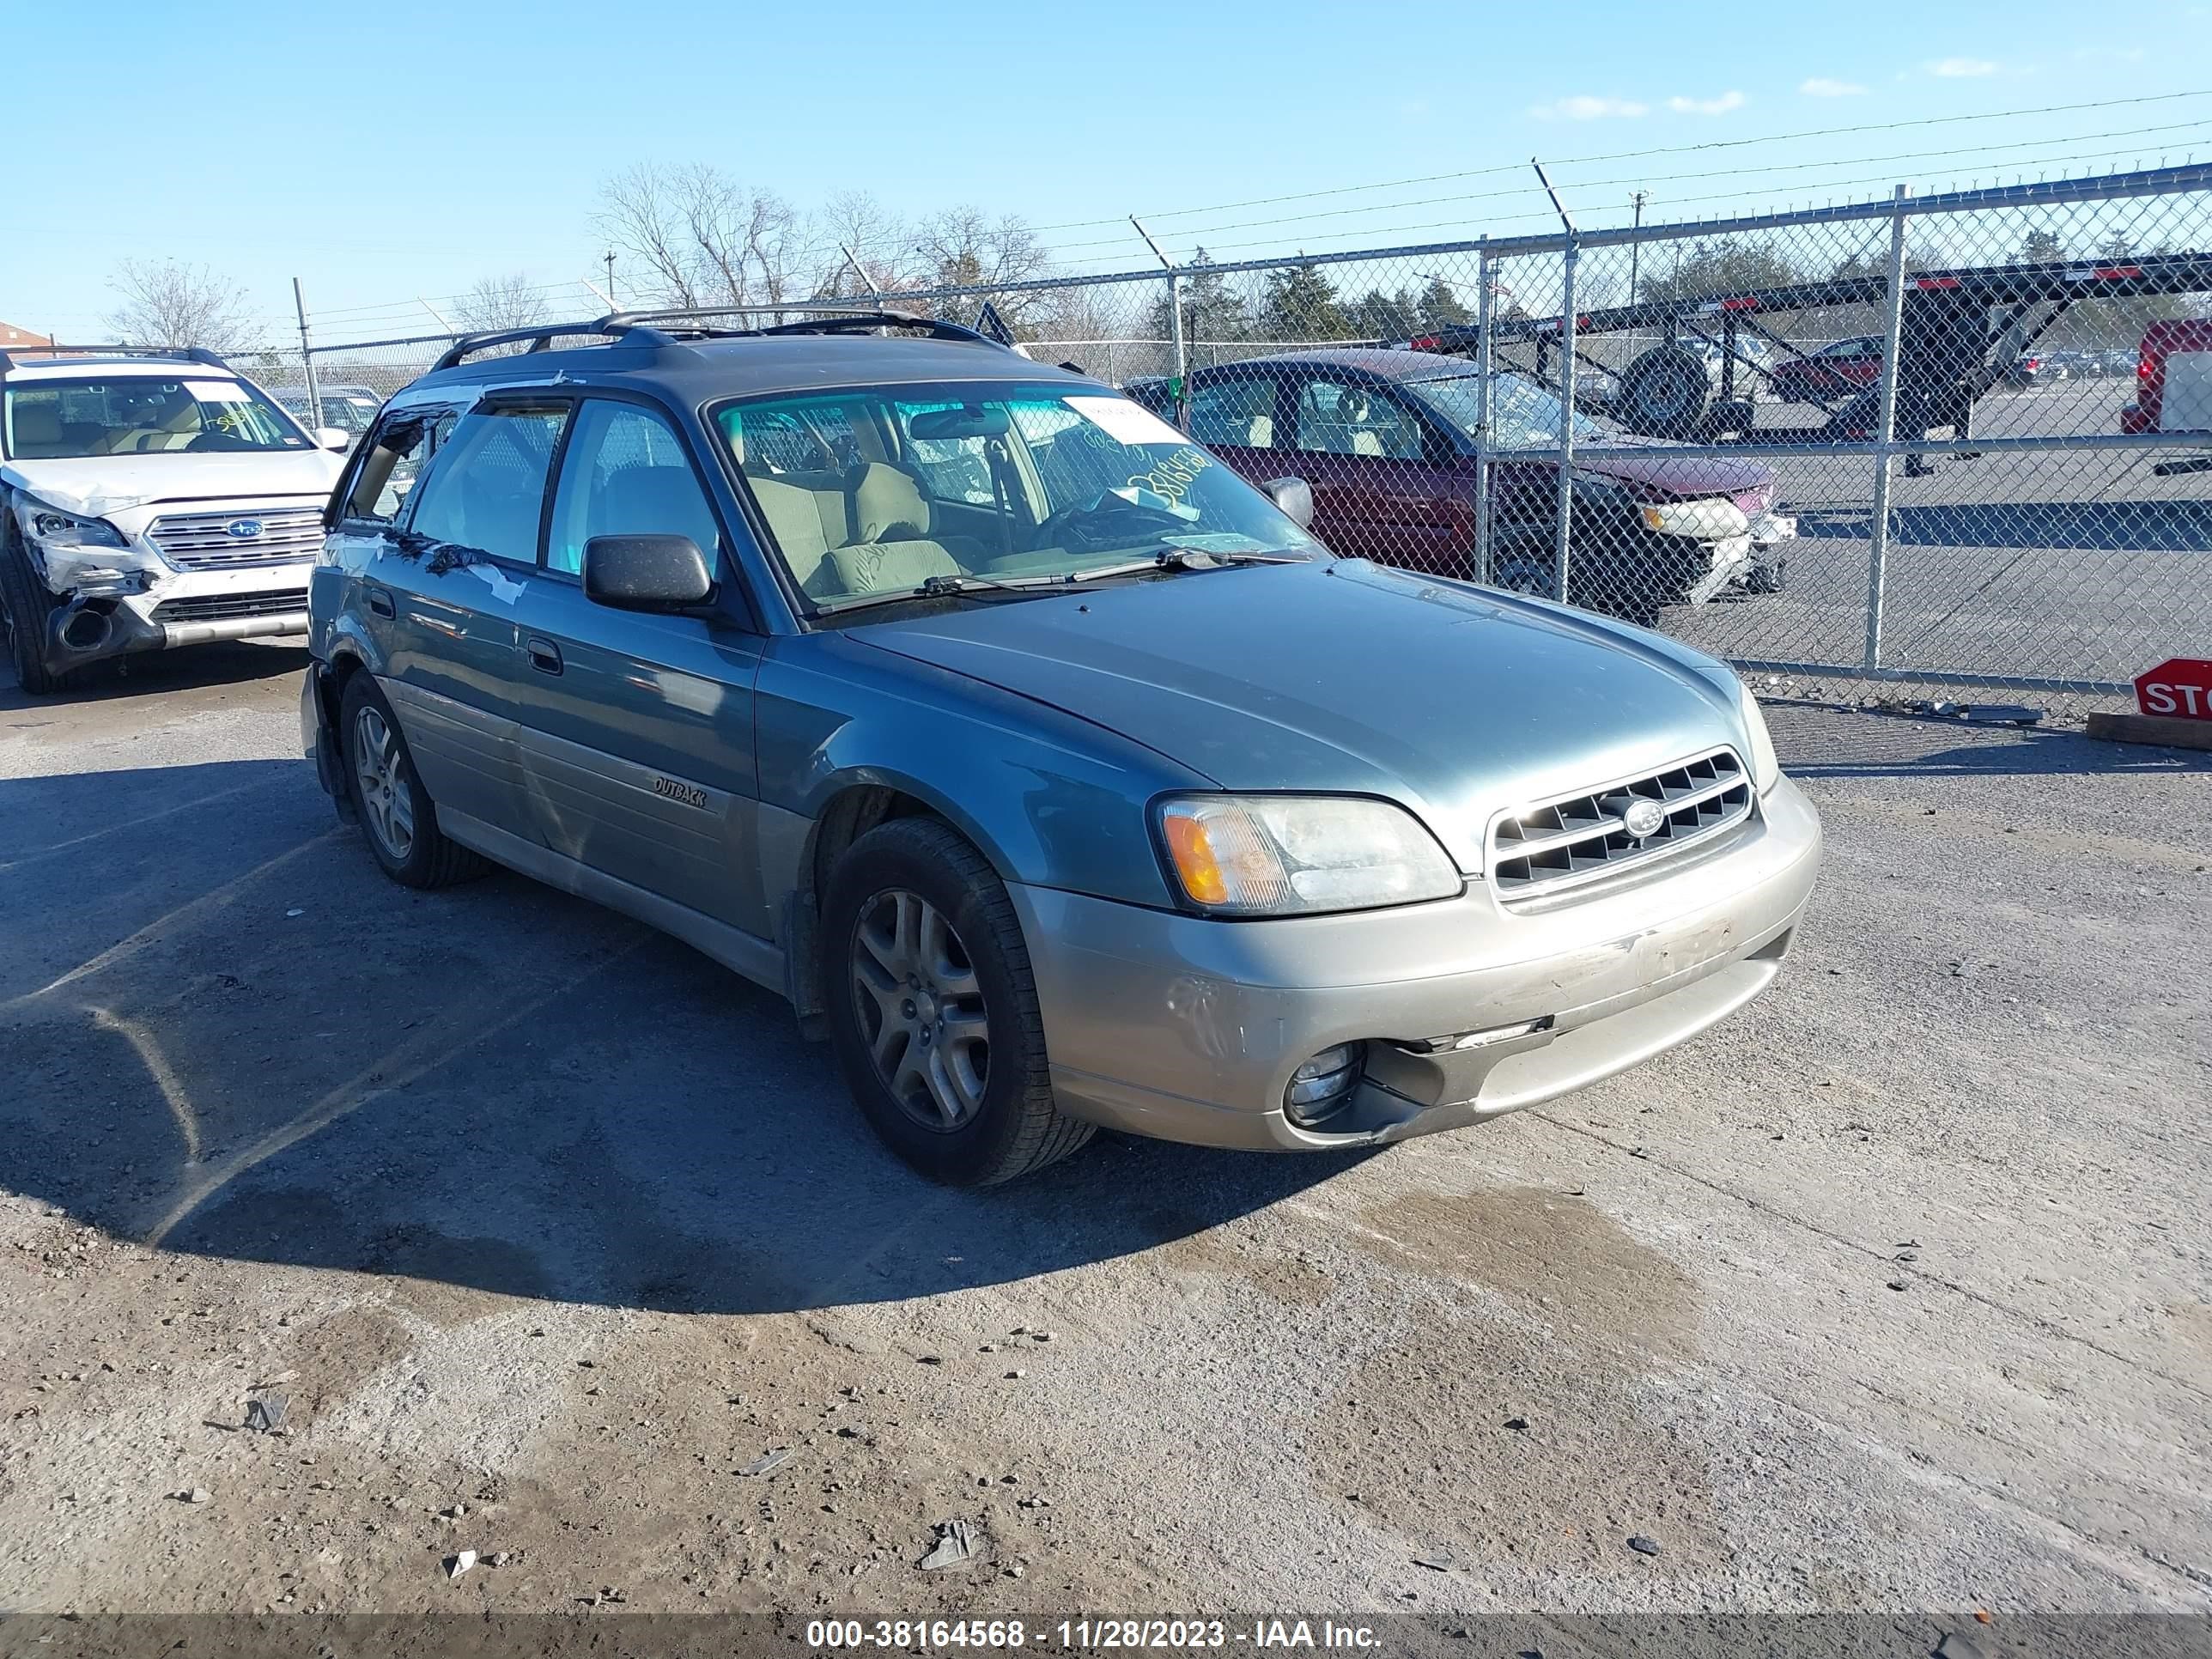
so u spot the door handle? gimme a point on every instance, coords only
(380, 602)
(545, 655)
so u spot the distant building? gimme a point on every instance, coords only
(12, 335)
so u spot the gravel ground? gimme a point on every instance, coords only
(553, 1238)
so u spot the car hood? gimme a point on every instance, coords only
(1663, 471)
(1349, 678)
(99, 484)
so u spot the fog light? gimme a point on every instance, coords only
(1321, 1086)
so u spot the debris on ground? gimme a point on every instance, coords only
(768, 1461)
(957, 1544)
(265, 1413)
(1955, 1646)
(496, 1558)
(459, 1562)
(196, 1495)
(1518, 1425)
(1435, 1561)
(1641, 1545)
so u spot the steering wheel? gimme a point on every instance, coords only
(1101, 522)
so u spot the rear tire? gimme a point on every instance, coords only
(27, 606)
(397, 818)
(933, 1009)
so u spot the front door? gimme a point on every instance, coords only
(1385, 486)
(637, 729)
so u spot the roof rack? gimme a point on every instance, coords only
(675, 327)
(16, 353)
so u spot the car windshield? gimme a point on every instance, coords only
(348, 411)
(870, 492)
(1522, 415)
(57, 420)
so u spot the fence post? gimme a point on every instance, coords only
(1562, 555)
(1485, 278)
(307, 361)
(1885, 435)
(1181, 351)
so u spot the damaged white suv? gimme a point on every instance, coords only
(149, 498)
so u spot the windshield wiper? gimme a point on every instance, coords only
(1188, 558)
(958, 585)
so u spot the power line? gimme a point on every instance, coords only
(1667, 149)
(1641, 179)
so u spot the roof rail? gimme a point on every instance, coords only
(674, 327)
(16, 353)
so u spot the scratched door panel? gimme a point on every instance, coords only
(637, 754)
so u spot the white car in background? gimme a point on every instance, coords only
(149, 499)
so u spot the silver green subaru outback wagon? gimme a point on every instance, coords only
(1057, 775)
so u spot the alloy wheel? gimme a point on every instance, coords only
(920, 1009)
(385, 799)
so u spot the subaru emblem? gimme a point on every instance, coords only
(1642, 819)
(245, 530)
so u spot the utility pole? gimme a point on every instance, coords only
(609, 257)
(307, 361)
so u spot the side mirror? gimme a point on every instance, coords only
(1294, 496)
(646, 573)
(334, 437)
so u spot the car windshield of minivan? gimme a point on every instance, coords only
(1522, 415)
(872, 492)
(136, 415)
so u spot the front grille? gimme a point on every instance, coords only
(223, 607)
(1582, 838)
(203, 541)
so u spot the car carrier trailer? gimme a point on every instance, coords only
(1960, 330)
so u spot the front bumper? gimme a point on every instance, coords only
(90, 629)
(1190, 1029)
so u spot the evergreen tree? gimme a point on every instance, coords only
(1300, 303)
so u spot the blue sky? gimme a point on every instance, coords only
(381, 153)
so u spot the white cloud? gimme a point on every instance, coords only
(1955, 69)
(1720, 105)
(1584, 107)
(1821, 87)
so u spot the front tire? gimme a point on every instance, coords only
(395, 815)
(24, 608)
(933, 1009)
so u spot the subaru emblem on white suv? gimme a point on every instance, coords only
(245, 530)
(1644, 819)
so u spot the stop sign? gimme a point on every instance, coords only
(2178, 687)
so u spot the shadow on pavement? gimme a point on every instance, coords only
(2158, 527)
(1818, 740)
(150, 673)
(263, 1050)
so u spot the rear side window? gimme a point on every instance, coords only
(625, 474)
(1239, 412)
(396, 455)
(487, 490)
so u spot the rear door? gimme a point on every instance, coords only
(637, 730)
(438, 588)
(1384, 486)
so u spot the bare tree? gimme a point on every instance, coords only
(855, 220)
(705, 239)
(965, 247)
(172, 304)
(501, 302)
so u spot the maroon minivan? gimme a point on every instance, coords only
(1386, 438)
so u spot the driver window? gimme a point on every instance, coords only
(1336, 418)
(1240, 412)
(625, 474)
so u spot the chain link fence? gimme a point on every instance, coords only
(1914, 448)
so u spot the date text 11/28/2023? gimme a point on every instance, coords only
(1150, 1635)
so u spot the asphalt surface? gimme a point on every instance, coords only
(1892, 1292)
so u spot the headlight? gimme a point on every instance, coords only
(51, 527)
(1764, 768)
(1708, 520)
(1279, 856)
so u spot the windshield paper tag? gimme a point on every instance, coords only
(219, 392)
(1223, 541)
(1124, 421)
